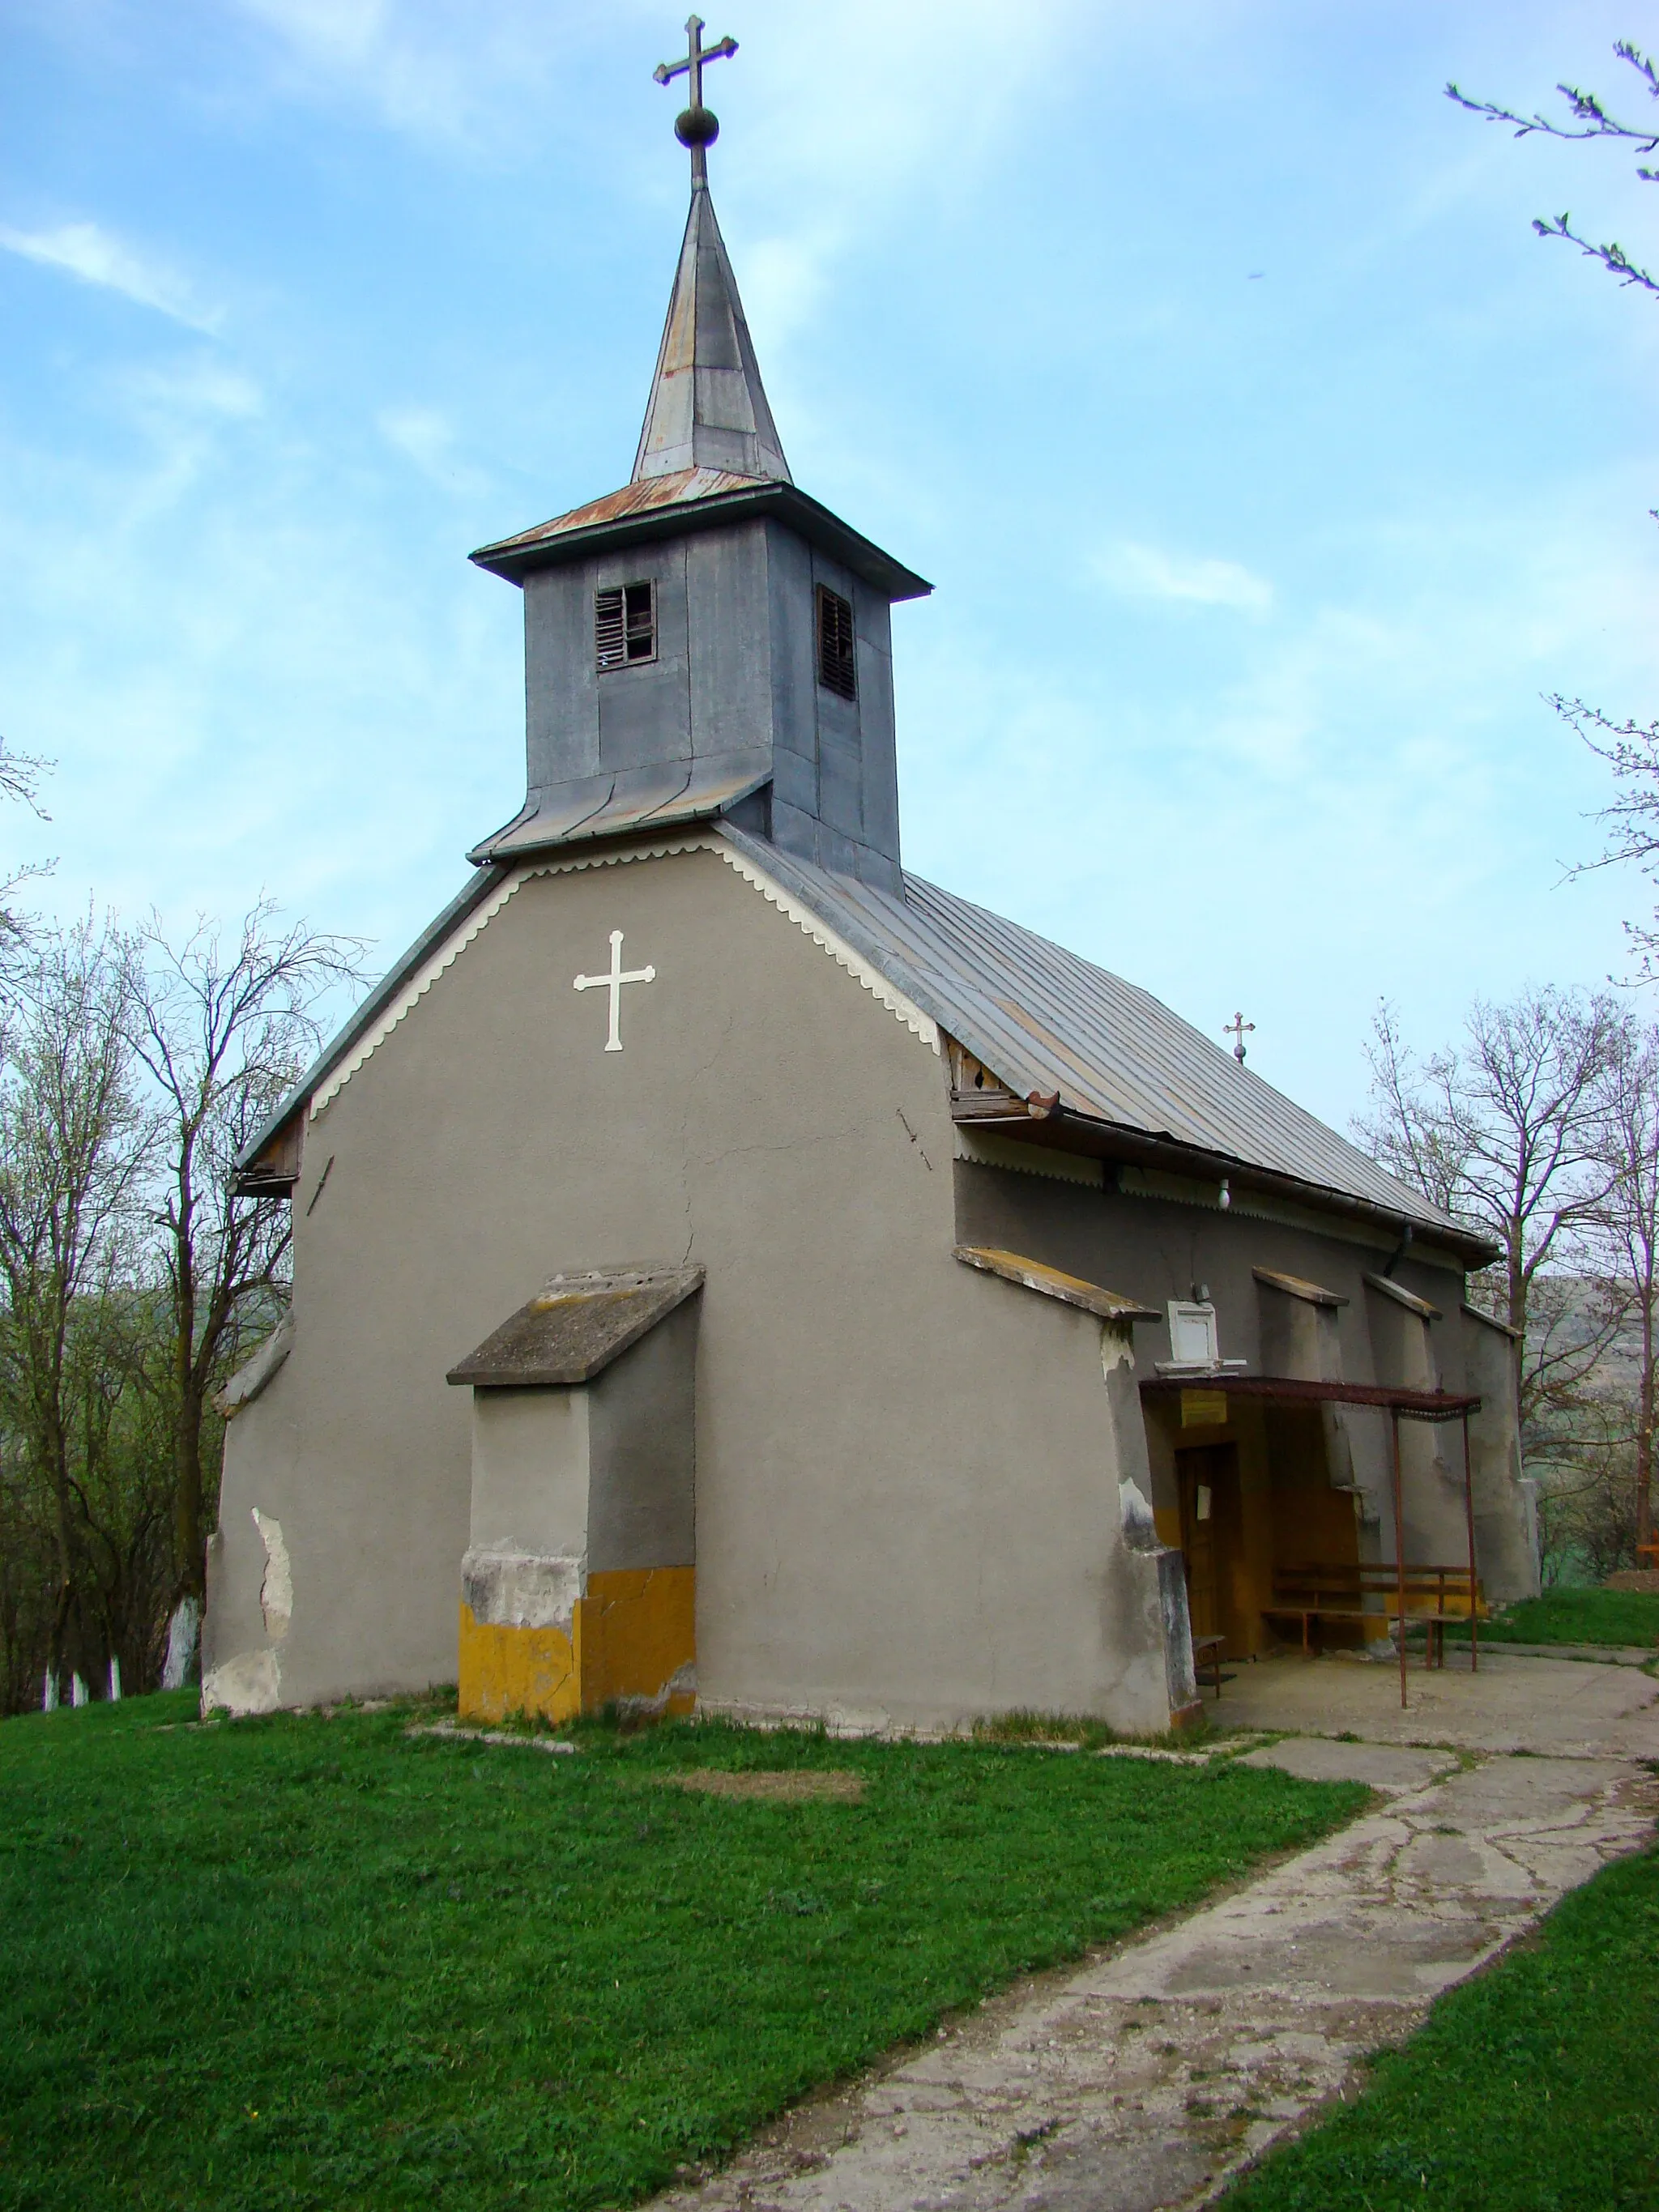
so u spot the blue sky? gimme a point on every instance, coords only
(1267, 466)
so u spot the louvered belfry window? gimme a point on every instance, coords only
(838, 662)
(625, 625)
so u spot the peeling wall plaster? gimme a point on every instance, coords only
(1117, 1346)
(276, 1586)
(252, 1682)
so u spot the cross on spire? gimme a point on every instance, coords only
(696, 126)
(1238, 1028)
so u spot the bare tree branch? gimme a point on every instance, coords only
(222, 1028)
(1503, 1131)
(1588, 111)
(1631, 749)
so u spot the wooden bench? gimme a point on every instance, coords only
(1206, 1652)
(1433, 1596)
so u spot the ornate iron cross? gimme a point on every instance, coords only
(1238, 1028)
(696, 126)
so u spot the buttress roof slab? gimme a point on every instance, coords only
(575, 1327)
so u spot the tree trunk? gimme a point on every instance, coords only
(1644, 1436)
(187, 1512)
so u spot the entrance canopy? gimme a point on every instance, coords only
(1438, 1406)
(1294, 1390)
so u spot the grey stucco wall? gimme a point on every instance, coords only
(908, 1503)
(531, 1471)
(642, 1510)
(1507, 1541)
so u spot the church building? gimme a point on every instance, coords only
(733, 1273)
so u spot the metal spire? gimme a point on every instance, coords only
(708, 407)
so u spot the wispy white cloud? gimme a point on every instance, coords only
(424, 436)
(1143, 572)
(443, 70)
(88, 252)
(202, 386)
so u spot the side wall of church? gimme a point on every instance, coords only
(1154, 1250)
(908, 1503)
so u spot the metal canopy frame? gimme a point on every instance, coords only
(1401, 1405)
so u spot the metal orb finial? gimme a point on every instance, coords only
(696, 126)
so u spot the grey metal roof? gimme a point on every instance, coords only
(648, 798)
(708, 407)
(1043, 1019)
(1040, 1019)
(694, 498)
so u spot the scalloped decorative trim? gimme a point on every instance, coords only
(919, 1025)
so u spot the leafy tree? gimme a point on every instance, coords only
(1627, 1223)
(74, 1145)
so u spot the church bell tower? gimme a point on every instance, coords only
(709, 642)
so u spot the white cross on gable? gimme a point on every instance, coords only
(613, 983)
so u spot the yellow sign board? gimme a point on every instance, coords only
(1203, 1409)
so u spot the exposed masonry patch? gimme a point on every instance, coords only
(554, 1746)
(1117, 1346)
(276, 1585)
(919, 1023)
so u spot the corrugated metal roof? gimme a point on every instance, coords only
(1039, 1018)
(1043, 1019)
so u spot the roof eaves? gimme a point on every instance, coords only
(852, 909)
(1178, 1155)
(516, 558)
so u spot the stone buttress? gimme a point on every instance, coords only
(579, 1583)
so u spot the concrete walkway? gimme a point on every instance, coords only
(1573, 1709)
(1147, 2077)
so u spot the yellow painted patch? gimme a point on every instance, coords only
(631, 1635)
(636, 1629)
(525, 1670)
(1166, 1521)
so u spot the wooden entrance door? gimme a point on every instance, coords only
(1206, 1479)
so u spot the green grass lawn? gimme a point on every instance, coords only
(1530, 2089)
(315, 1962)
(1575, 1616)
